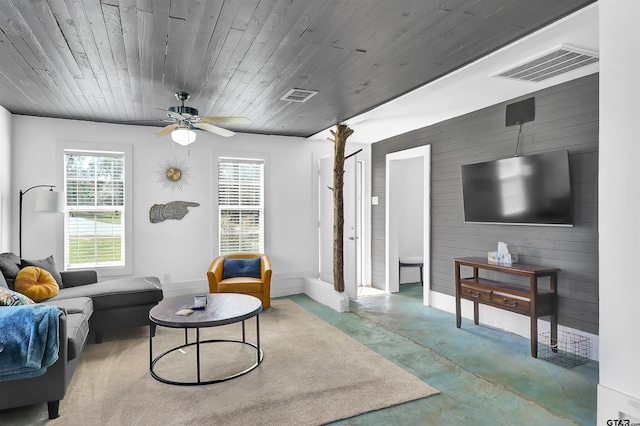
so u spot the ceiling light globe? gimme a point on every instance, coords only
(183, 136)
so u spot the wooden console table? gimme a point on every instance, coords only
(526, 300)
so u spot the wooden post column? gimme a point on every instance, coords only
(339, 140)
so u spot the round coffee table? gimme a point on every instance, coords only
(221, 309)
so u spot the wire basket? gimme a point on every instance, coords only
(568, 350)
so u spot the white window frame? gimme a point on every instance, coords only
(239, 207)
(266, 193)
(64, 147)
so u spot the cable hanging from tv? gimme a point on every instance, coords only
(518, 142)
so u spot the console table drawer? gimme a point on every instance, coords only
(474, 293)
(509, 302)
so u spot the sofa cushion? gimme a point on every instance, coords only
(47, 264)
(78, 312)
(241, 285)
(116, 293)
(9, 265)
(3, 282)
(36, 283)
(233, 268)
(76, 277)
(77, 305)
(13, 298)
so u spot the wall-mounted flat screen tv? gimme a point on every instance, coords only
(526, 190)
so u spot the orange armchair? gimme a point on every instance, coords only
(258, 287)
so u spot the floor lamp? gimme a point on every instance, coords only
(46, 201)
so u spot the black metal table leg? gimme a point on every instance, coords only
(258, 338)
(198, 351)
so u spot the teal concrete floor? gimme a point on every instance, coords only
(485, 376)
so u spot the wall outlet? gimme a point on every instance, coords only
(374, 201)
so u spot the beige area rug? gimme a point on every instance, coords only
(312, 373)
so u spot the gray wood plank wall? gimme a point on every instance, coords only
(566, 118)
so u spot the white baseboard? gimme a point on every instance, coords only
(281, 285)
(286, 284)
(324, 293)
(505, 320)
(615, 405)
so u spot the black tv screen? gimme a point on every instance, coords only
(528, 190)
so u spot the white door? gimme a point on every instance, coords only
(351, 234)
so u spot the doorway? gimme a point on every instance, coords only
(407, 215)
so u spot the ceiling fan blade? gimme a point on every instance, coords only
(172, 114)
(165, 130)
(214, 129)
(237, 120)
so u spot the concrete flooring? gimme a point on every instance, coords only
(485, 376)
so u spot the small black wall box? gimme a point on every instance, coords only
(521, 112)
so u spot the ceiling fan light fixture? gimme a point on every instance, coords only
(183, 136)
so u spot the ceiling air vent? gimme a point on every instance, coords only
(559, 61)
(298, 95)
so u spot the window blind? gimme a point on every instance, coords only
(95, 209)
(241, 205)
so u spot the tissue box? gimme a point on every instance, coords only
(506, 259)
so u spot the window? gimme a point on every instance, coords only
(241, 205)
(94, 232)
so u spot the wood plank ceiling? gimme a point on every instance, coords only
(118, 60)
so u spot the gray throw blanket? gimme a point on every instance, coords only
(28, 340)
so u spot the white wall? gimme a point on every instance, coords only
(410, 198)
(179, 251)
(618, 211)
(6, 194)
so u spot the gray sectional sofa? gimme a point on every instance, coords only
(86, 306)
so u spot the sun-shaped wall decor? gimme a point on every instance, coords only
(173, 174)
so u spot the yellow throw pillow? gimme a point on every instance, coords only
(36, 283)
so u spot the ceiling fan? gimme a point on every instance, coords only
(186, 118)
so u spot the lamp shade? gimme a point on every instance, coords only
(183, 136)
(49, 201)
